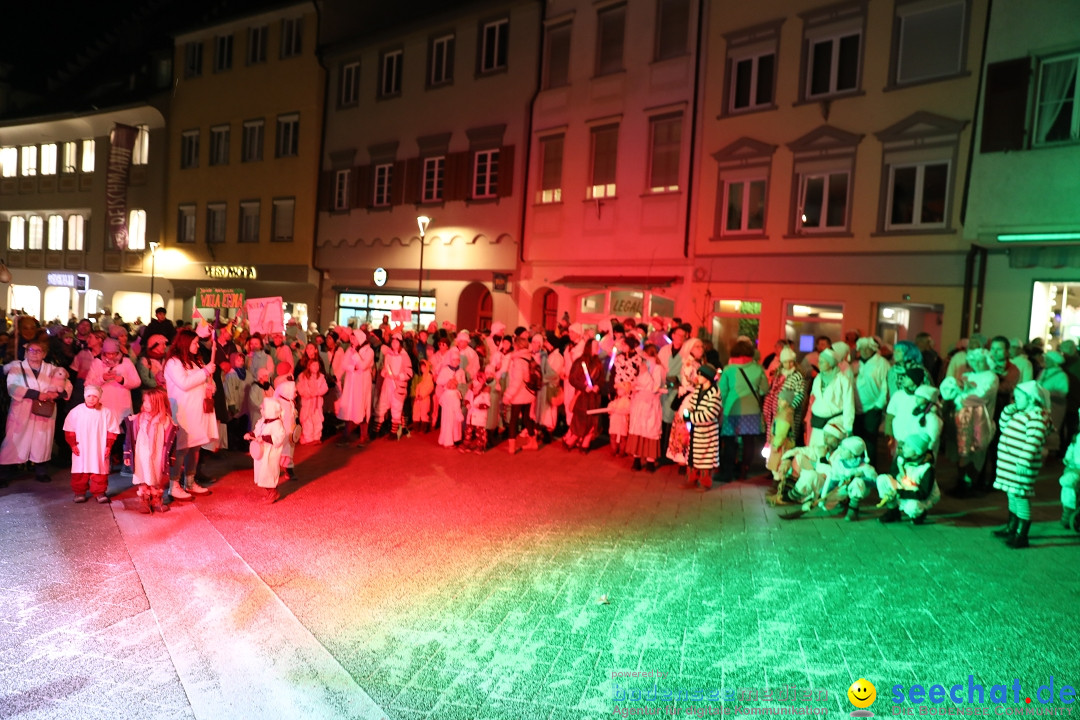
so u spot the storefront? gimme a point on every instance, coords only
(373, 306)
(57, 295)
(1055, 311)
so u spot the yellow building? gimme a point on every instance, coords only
(836, 139)
(244, 135)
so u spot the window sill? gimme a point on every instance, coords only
(916, 83)
(443, 84)
(380, 208)
(548, 204)
(441, 202)
(480, 73)
(814, 235)
(736, 238)
(281, 240)
(600, 199)
(486, 200)
(681, 56)
(746, 111)
(915, 231)
(665, 193)
(392, 96)
(349, 106)
(829, 98)
(608, 74)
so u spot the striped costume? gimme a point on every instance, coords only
(705, 409)
(1023, 434)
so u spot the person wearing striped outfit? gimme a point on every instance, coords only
(702, 414)
(1024, 426)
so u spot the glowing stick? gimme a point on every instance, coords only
(588, 378)
(611, 362)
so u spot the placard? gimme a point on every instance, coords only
(265, 315)
(219, 298)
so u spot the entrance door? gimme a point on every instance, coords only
(905, 321)
(474, 308)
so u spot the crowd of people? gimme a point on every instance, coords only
(828, 426)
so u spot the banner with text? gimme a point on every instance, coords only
(220, 299)
(265, 315)
(121, 144)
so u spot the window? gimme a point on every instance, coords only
(252, 150)
(930, 40)
(56, 232)
(76, 227)
(193, 59)
(441, 65)
(283, 219)
(833, 40)
(189, 149)
(732, 319)
(36, 232)
(137, 230)
(743, 206)
(605, 145)
(292, 35)
(350, 84)
(223, 53)
(752, 80)
(141, 152)
(551, 157)
(390, 73)
(803, 324)
(17, 233)
(672, 28)
(485, 173)
(219, 145)
(185, 227)
(288, 135)
(611, 27)
(823, 202)
(70, 157)
(494, 37)
(557, 56)
(341, 189)
(666, 144)
(917, 196)
(48, 159)
(434, 175)
(215, 223)
(383, 175)
(1057, 115)
(29, 160)
(256, 50)
(249, 221)
(88, 156)
(9, 162)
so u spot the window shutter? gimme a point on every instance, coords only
(412, 180)
(397, 183)
(326, 191)
(1006, 105)
(506, 171)
(458, 175)
(362, 186)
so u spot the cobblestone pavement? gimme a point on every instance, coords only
(464, 586)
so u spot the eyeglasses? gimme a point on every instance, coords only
(36, 350)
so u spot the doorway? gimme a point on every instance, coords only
(905, 321)
(475, 308)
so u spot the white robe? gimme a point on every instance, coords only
(355, 403)
(29, 437)
(268, 467)
(187, 388)
(646, 415)
(92, 428)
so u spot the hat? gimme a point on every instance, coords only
(203, 330)
(787, 354)
(270, 408)
(110, 346)
(917, 375)
(1036, 392)
(866, 342)
(842, 350)
(92, 390)
(855, 446)
(463, 335)
(498, 328)
(917, 443)
(1054, 358)
(835, 430)
(827, 354)
(117, 331)
(283, 368)
(577, 329)
(708, 371)
(358, 337)
(927, 392)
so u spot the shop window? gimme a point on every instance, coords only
(662, 306)
(596, 303)
(803, 323)
(57, 304)
(26, 299)
(732, 319)
(627, 303)
(1055, 311)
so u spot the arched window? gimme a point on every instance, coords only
(76, 227)
(56, 232)
(17, 234)
(36, 234)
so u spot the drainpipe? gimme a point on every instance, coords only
(693, 125)
(528, 133)
(975, 120)
(981, 290)
(969, 276)
(318, 171)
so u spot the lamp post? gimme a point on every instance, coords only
(153, 273)
(422, 222)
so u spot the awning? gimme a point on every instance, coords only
(607, 281)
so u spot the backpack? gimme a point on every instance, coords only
(535, 379)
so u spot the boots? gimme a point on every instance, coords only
(852, 512)
(891, 515)
(395, 430)
(650, 466)
(512, 445)
(364, 437)
(144, 501)
(1020, 539)
(177, 491)
(349, 427)
(156, 501)
(1067, 517)
(195, 488)
(1009, 530)
(637, 464)
(530, 443)
(271, 495)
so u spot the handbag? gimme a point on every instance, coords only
(39, 407)
(751, 386)
(208, 405)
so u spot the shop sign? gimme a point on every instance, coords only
(354, 300)
(80, 282)
(499, 282)
(232, 272)
(379, 276)
(219, 299)
(627, 306)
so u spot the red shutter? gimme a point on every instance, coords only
(363, 186)
(506, 171)
(1006, 105)
(458, 176)
(412, 181)
(354, 187)
(397, 183)
(326, 190)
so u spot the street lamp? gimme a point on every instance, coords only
(422, 222)
(153, 273)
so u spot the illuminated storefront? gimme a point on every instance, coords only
(1055, 311)
(373, 307)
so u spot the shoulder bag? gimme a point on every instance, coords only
(41, 408)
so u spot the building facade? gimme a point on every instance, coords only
(428, 119)
(244, 133)
(1022, 211)
(609, 176)
(54, 183)
(834, 157)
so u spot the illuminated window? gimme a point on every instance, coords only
(17, 233)
(605, 145)
(390, 73)
(732, 319)
(88, 156)
(434, 176)
(551, 161)
(219, 145)
(36, 233)
(441, 52)
(485, 173)
(1057, 115)
(249, 221)
(341, 189)
(494, 38)
(666, 145)
(141, 153)
(383, 173)
(29, 160)
(71, 151)
(292, 36)
(56, 232)
(804, 323)
(9, 162)
(215, 223)
(611, 29)
(76, 227)
(284, 211)
(256, 50)
(185, 227)
(137, 230)
(48, 159)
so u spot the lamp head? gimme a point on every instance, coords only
(422, 222)
(154, 247)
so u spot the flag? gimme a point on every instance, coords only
(196, 315)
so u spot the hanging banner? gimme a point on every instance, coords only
(121, 144)
(219, 298)
(265, 315)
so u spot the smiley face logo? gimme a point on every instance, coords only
(862, 693)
